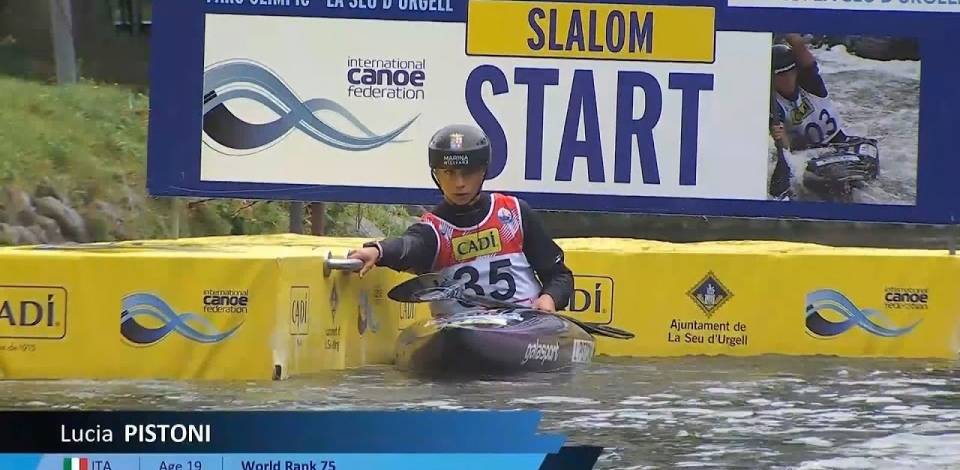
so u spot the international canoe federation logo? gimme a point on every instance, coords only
(709, 294)
(871, 320)
(142, 309)
(238, 79)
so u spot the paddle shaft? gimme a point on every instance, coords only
(412, 290)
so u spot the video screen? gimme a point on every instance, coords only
(844, 119)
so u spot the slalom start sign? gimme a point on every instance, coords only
(653, 107)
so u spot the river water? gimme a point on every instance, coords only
(707, 412)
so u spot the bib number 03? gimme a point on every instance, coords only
(498, 278)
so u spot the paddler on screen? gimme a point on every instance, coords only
(806, 111)
(491, 243)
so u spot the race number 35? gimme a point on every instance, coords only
(497, 276)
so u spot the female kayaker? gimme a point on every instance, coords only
(491, 243)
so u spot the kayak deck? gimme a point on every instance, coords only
(493, 343)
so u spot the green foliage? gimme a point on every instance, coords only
(87, 144)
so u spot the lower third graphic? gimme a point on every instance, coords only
(871, 320)
(144, 305)
(246, 79)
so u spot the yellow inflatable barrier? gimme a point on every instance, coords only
(233, 308)
(264, 307)
(753, 298)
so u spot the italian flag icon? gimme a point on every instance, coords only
(76, 464)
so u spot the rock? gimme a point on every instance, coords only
(111, 212)
(875, 47)
(23, 236)
(11, 200)
(7, 235)
(19, 208)
(26, 217)
(369, 229)
(19, 199)
(39, 233)
(71, 224)
(46, 189)
(51, 230)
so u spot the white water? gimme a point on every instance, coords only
(875, 99)
(754, 414)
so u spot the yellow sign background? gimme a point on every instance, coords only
(504, 28)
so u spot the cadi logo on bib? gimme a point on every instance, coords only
(475, 245)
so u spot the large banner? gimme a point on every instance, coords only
(682, 108)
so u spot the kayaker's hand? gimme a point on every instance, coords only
(778, 133)
(368, 254)
(545, 303)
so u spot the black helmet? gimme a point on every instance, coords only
(782, 59)
(459, 146)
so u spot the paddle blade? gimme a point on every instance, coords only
(425, 288)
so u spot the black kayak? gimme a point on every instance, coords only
(493, 342)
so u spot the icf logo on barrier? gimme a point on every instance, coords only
(139, 311)
(818, 324)
(592, 298)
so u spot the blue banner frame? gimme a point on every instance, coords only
(176, 72)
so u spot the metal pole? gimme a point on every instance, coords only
(175, 228)
(318, 219)
(65, 56)
(350, 265)
(951, 241)
(137, 18)
(296, 217)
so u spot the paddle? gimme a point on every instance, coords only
(429, 287)
(781, 175)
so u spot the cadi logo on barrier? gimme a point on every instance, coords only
(299, 310)
(592, 298)
(408, 313)
(33, 312)
(870, 320)
(140, 309)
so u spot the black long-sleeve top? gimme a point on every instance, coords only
(415, 250)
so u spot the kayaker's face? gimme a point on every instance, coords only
(460, 185)
(785, 83)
